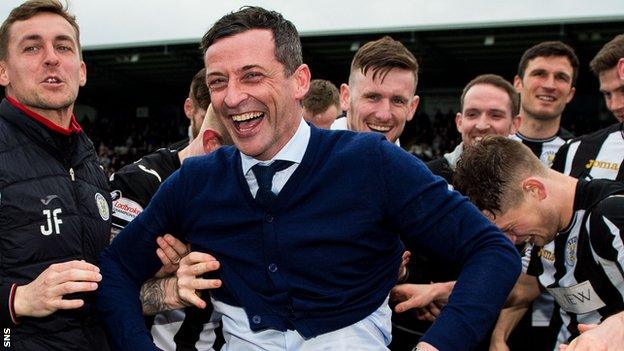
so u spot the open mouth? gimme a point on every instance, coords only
(378, 128)
(52, 80)
(477, 139)
(546, 98)
(246, 122)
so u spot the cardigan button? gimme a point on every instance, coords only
(256, 319)
(272, 268)
(268, 218)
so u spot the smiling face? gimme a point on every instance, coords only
(530, 221)
(260, 106)
(546, 87)
(43, 69)
(486, 111)
(376, 105)
(612, 88)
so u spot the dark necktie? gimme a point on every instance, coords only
(264, 176)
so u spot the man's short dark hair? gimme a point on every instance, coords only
(30, 9)
(499, 82)
(285, 35)
(382, 56)
(321, 96)
(490, 171)
(608, 56)
(549, 49)
(199, 92)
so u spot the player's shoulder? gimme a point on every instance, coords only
(598, 135)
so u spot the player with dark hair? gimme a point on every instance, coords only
(546, 78)
(574, 227)
(321, 105)
(300, 227)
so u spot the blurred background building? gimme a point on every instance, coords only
(141, 56)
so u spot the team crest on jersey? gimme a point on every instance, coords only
(548, 157)
(102, 206)
(570, 257)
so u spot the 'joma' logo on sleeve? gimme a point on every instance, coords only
(602, 164)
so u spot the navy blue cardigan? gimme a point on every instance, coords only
(327, 253)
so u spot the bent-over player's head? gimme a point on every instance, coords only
(257, 79)
(382, 83)
(608, 66)
(504, 179)
(489, 106)
(321, 105)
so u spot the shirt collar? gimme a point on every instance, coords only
(74, 127)
(293, 150)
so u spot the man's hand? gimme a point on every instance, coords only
(423, 346)
(170, 252)
(44, 295)
(430, 312)
(403, 273)
(161, 292)
(607, 336)
(190, 283)
(507, 320)
(498, 345)
(420, 295)
(159, 295)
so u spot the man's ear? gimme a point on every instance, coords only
(534, 188)
(188, 108)
(83, 74)
(620, 68)
(458, 120)
(570, 95)
(302, 81)
(210, 140)
(515, 124)
(4, 74)
(413, 106)
(345, 95)
(518, 83)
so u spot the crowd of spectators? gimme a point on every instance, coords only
(122, 141)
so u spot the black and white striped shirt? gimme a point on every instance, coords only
(545, 149)
(596, 155)
(188, 329)
(583, 267)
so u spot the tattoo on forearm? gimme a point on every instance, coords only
(153, 297)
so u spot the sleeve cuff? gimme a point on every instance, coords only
(7, 310)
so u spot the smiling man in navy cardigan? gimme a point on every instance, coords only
(308, 255)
